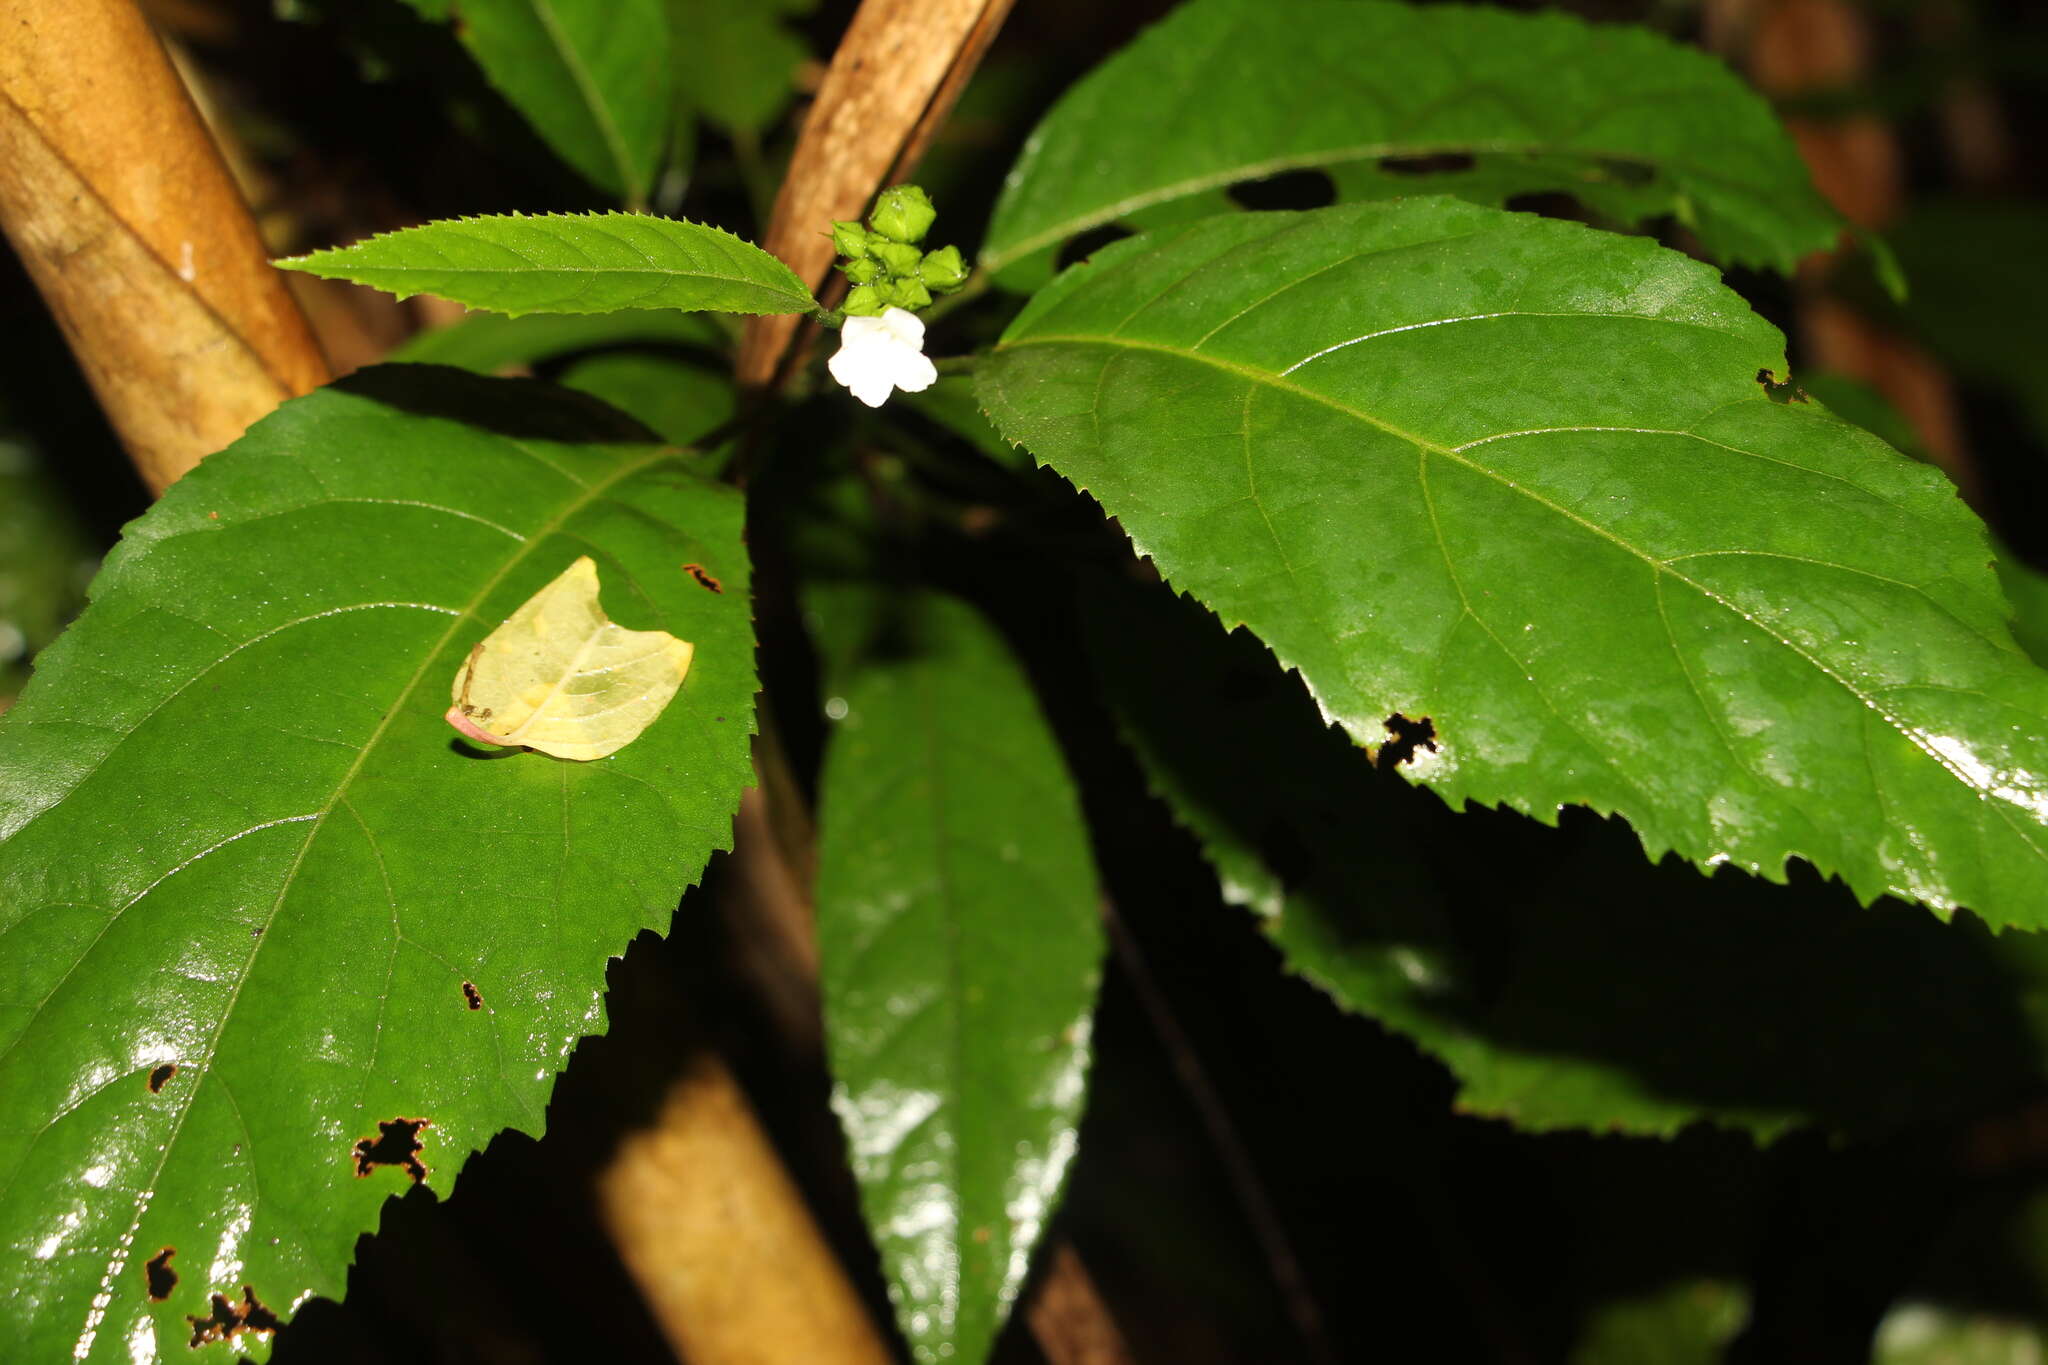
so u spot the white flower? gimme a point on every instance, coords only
(878, 355)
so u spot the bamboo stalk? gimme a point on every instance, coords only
(120, 207)
(732, 1266)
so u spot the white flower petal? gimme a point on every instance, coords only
(874, 390)
(904, 326)
(879, 355)
(861, 329)
(847, 365)
(916, 373)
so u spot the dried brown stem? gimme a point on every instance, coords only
(122, 210)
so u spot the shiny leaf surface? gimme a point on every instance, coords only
(568, 263)
(1393, 100)
(1518, 479)
(267, 921)
(957, 921)
(1565, 982)
(593, 79)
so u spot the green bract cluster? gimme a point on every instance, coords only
(883, 259)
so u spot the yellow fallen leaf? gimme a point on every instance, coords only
(559, 677)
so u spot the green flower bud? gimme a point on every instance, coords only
(943, 269)
(905, 294)
(900, 257)
(862, 271)
(849, 239)
(903, 213)
(865, 301)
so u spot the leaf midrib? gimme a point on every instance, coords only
(557, 270)
(600, 111)
(956, 965)
(1270, 380)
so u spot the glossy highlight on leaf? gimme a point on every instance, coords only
(1391, 100)
(568, 263)
(961, 948)
(1519, 478)
(561, 677)
(238, 839)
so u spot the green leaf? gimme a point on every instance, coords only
(489, 342)
(678, 402)
(957, 922)
(1687, 1322)
(1563, 980)
(1378, 95)
(735, 61)
(568, 263)
(259, 901)
(593, 79)
(2026, 587)
(1517, 478)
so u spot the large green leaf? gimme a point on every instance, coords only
(1517, 478)
(957, 921)
(2026, 587)
(594, 79)
(1382, 96)
(259, 902)
(1564, 981)
(568, 263)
